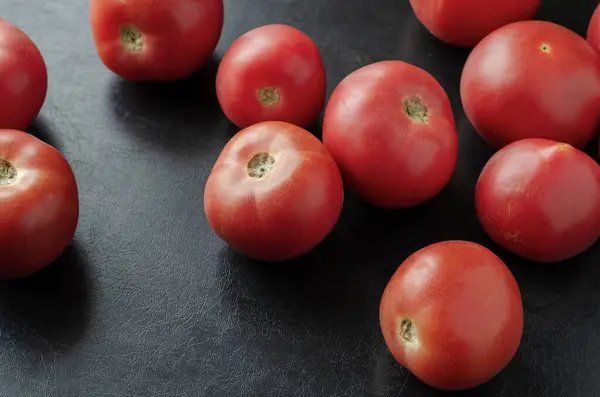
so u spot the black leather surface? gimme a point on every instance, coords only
(149, 302)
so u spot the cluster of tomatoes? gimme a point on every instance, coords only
(530, 88)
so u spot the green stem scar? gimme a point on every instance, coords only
(416, 110)
(260, 165)
(269, 96)
(132, 38)
(407, 330)
(8, 173)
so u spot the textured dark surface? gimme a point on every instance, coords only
(149, 302)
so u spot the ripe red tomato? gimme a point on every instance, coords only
(156, 40)
(452, 315)
(465, 22)
(390, 128)
(274, 192)
(540, 199)
(23, 78)
(272, 73)
(533, 79)
(39, 208)
(593, 33)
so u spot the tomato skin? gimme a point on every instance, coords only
(387, 158)
(464, 23)
(466, 312)
(540, 199)
(39, 210)
(272, 56)
(177, 36)
(288, 211)
(593, 32)
(23, 78)
(533, 79)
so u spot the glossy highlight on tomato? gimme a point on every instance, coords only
(23, 78)
(274, 192)
(40, 204)
(465, 22)
(540, 199)
(272, 73)
(390, 128)
(452, 314)
(533, 79)
(142, 40)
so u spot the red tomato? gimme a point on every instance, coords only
(593, 33)
(156, 40)
(540, 199)
(39, 201)
(272, 73)
(452, 315)
(533, 79)
(274, 192)
(390, 128)
(465, 22)
(23, 78)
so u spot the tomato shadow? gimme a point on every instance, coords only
(41, 129)
(176, 116)
(577, 19)
(48, 312)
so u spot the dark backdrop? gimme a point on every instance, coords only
(147, 301)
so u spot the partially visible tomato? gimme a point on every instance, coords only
(274, 192)
(390, 128)
(23, 78)
(272, 73)
(465, 22)
(155, 40)
(593, 33)
(533, 79)
(540, 199)
(452, 314)
(39, 204)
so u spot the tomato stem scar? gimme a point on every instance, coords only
(8, 172)
(268, 96)
(260, 165)
(416, 110)
(407, 330)
(132, 38)
(545, 47)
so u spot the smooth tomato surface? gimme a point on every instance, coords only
(23, 78)
(533, 79)
(155, 40)
(465, 22)
(274, 192)
(272, 73)
(390, 128)
(452, 315)
(540, 199)
(39, 204)
(593, 32)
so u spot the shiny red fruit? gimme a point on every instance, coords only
(533, 79)
(465, 22)
(593, 32)
(155, 40)
(274, 192)
(272, 73)
(540, 199)
(391, 130)
(39, 208)
(23, 78)
(452, 315)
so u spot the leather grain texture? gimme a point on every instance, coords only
(147, 301)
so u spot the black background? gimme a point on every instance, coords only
(147, 301)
